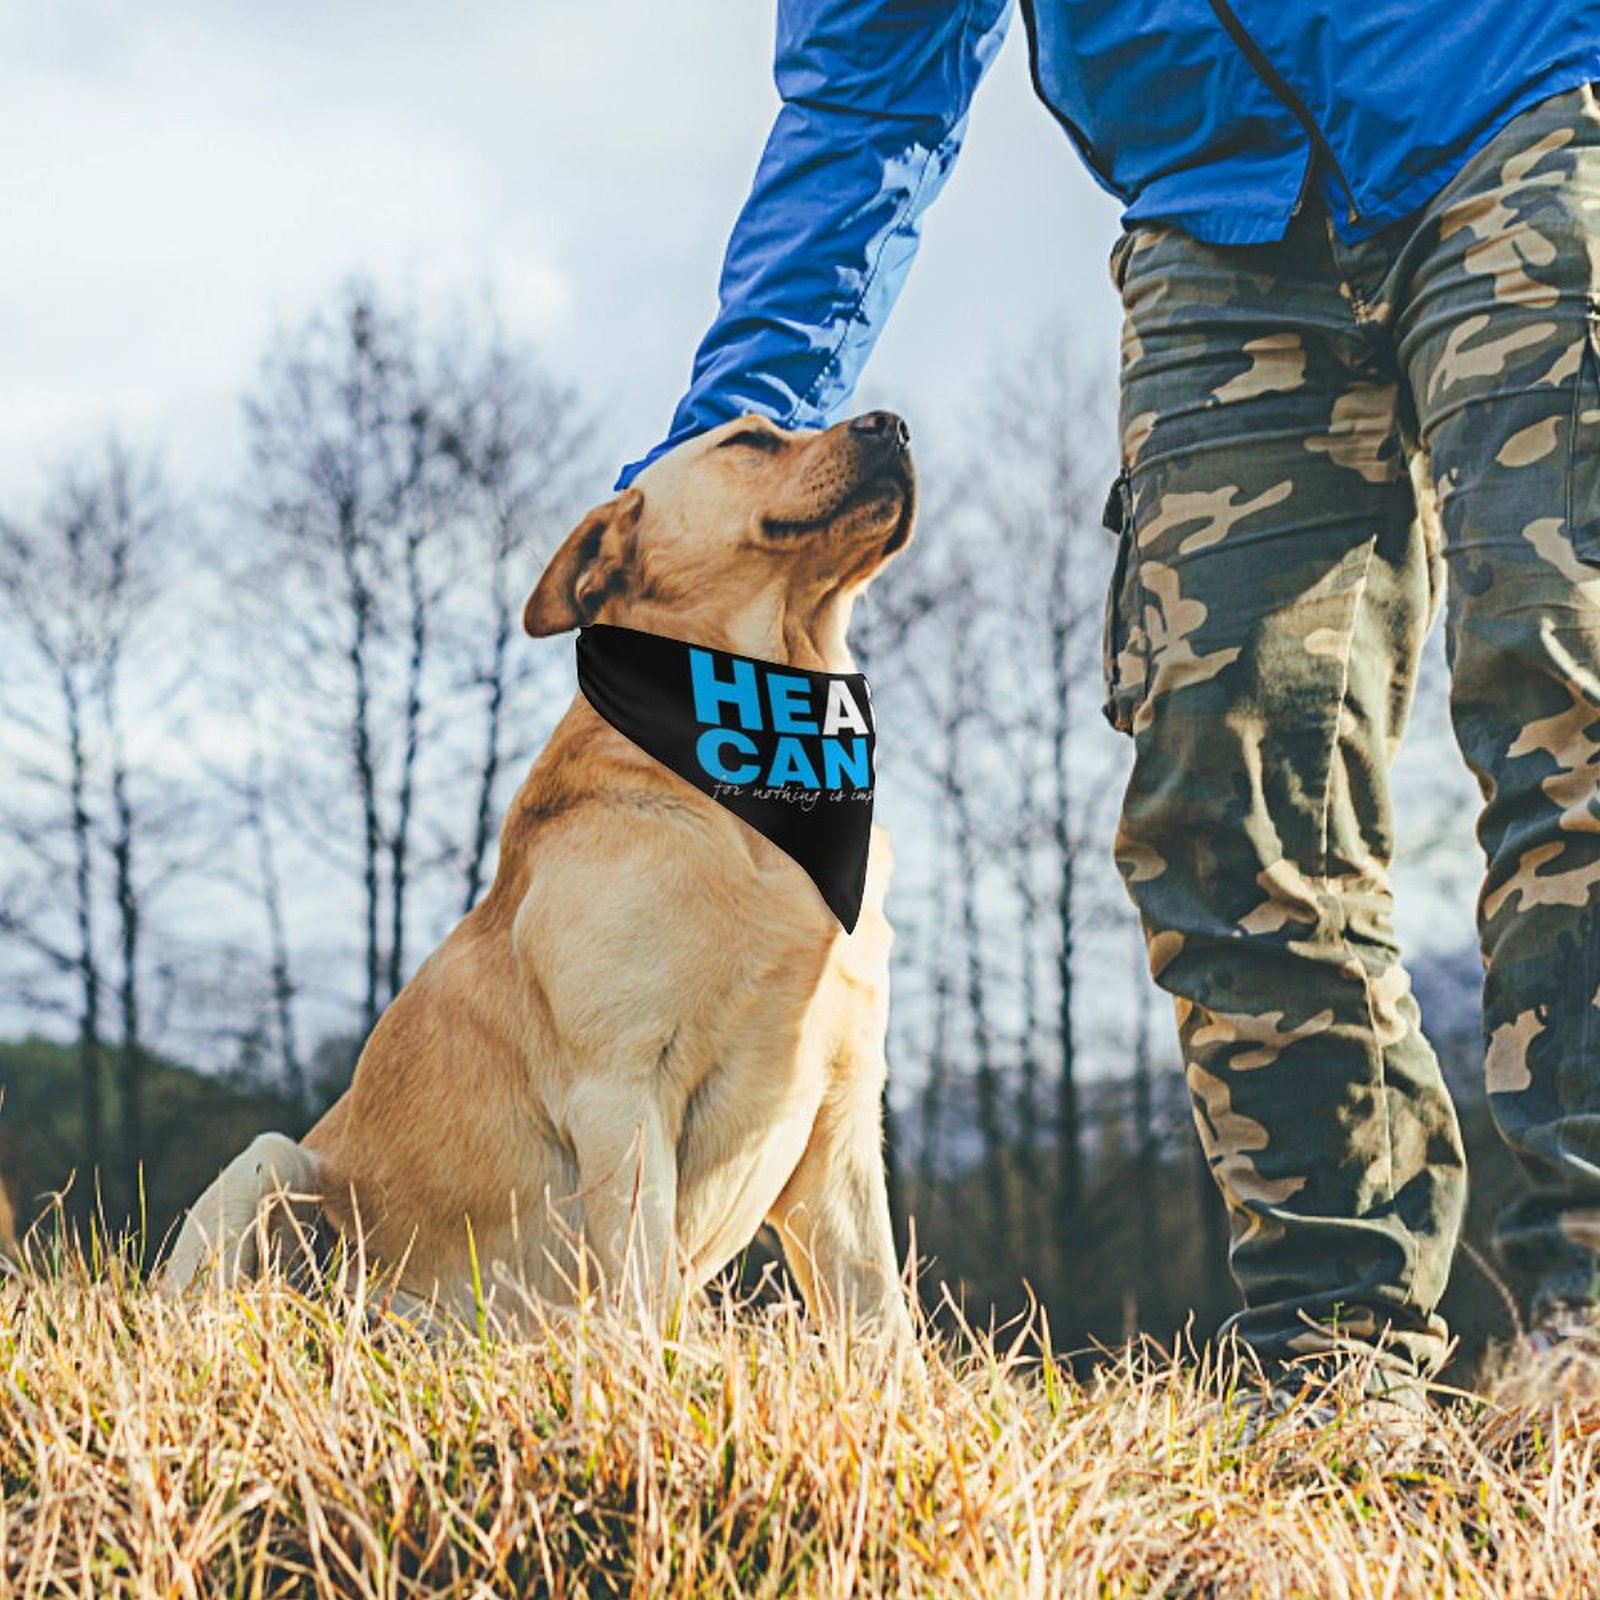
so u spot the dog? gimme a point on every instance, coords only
(651, 1035)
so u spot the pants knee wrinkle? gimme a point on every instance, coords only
(1336, 899)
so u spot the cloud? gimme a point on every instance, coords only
(195, 174)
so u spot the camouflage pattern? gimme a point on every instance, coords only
(1275, 584)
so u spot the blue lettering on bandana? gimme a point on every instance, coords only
(788, 751)
(757, 698)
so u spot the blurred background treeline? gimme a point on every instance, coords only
(255, 746)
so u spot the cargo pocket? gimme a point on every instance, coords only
(1124, 651)
(1583, 451)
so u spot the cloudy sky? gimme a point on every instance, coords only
(183, 175)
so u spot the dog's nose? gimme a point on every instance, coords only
(883, 426)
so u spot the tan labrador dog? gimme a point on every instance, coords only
(651, 1035)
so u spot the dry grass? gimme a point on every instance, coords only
(272, 1443)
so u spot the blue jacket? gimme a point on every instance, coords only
(1215, 115)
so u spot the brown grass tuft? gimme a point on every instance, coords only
(273, 1442)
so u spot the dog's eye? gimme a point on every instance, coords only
(753, 438)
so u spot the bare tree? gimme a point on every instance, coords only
(281, 960)
(523, 444)
(405, 473)
(1030, 920)
(991, 1120)
(133, 513)
(354, 494)
(81, 577)
(1040, 486)
(942, 684)
(999, 667)
(941, 986)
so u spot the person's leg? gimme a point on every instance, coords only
(1500, 333)
(1263, 649)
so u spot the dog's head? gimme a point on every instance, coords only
(748, 538)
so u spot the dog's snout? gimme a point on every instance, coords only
(883, 426)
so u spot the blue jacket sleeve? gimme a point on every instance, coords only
(875, 97)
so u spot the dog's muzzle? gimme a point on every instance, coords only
(882, 428)
(885, 436)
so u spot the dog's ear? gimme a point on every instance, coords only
(590, 567)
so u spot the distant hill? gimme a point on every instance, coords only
(193, 1124)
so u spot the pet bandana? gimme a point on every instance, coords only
(785, 750)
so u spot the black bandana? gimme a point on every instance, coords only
(786, 750)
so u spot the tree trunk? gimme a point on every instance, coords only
(93, 1108)
(1069, 1137)
(361, 750)
(991, 1125)
(934, 1085)
(281, 970)
(1027, 1137)
(400, 842)
(494, 711)
(130, 1076)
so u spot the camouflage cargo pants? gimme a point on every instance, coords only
(1274, 589)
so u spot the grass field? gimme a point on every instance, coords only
(273, 1443)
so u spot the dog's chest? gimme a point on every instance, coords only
(750, 1103)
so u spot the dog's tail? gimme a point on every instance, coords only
(264, 1201)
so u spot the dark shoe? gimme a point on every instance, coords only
(1378, 1416)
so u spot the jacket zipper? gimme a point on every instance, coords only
(1279, 85)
